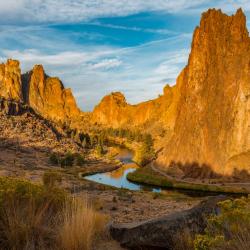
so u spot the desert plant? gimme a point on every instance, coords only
(229, 230)
(27, 214)
(54, 159)
(34, 217)
(50, 178)
(67, 160)
(81, 226)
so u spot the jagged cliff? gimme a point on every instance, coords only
(10, 80)
(46, 95)
(213, 113)
(114, 111)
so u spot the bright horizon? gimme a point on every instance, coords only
(96, 47)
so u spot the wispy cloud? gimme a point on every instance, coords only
(106, 64)
(134, 28)
(79, 10)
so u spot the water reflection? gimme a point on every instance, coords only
(118, 178)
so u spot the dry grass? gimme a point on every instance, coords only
(27, 226)
(81, 226)
(33, 217)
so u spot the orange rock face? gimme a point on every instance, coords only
(116, 112)
(213, 113)
(48, 97)
(10, 80)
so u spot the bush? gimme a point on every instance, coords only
(67, 160)
(230, 230)
(34, 217)
(27, 214)
(50, 178)
(145, 153)
(79, 160)
(54, 159)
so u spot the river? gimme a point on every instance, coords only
(118, 178)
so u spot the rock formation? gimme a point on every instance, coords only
(164, 232)
(10, 80)
(213, 113)
(47, 96)
(205, 117)
(154, 114)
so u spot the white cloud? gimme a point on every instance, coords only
(80, 10)
(106, 64)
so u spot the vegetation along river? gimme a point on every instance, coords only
(118, 178)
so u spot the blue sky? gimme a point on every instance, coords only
(100, 46)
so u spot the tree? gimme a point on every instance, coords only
(99, 150)
(146, 152)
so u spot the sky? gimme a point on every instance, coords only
(99, 46)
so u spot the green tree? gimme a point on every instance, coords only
(67, 160)
(99, 149)
(146, 152)
(54, 159)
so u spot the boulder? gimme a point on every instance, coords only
(164, 232)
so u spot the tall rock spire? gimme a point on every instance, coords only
(10, 80)
(213, 118)
(48, 97)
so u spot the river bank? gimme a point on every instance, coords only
(147, 175)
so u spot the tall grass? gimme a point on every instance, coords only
(81, 225)
(39, 218)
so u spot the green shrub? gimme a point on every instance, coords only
(99, 150)
(54, 159)
(229, 230)
(145, 153)
(27, 214)
(79, 159)
(50, 178)
(67, 160)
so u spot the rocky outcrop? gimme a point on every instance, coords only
(10, 80)
(48, 97)
(213, 113)
(114, 111)
(165, 232)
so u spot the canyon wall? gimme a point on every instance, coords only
(213, 114)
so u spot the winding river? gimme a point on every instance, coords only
(118, 178)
